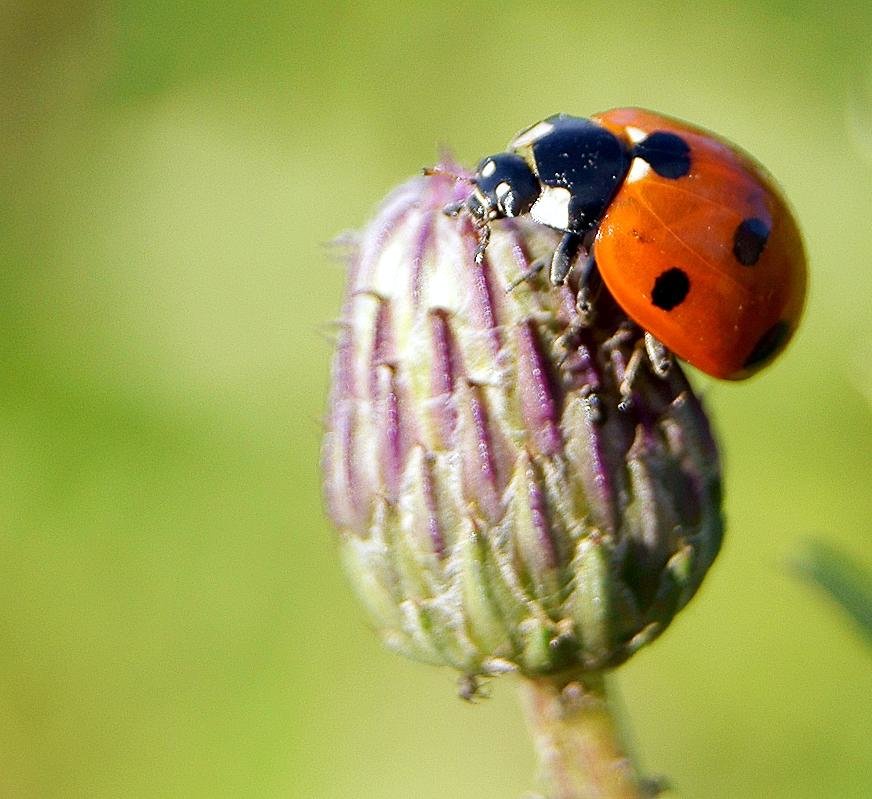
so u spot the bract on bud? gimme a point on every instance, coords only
(498, 506)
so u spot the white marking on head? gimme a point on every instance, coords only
(635, 134)
(488, 169)
(552, 207)
(531, 135)
(638, 170)
(502, 190)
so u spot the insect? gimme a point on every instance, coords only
(690, 235)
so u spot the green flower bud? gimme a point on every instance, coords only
(499, 508)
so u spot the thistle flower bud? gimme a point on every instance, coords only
(498, 506)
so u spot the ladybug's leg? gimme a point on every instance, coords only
(564, 255)
(658, 356)
(535, 268)
(630, 373)
(482, 225)
(583, 302)
(483, 239)
(584, 310)
(562, 261)
(453, 209)
(583, 305)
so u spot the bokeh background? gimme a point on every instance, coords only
(173, 622)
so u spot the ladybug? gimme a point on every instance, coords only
(690, 235)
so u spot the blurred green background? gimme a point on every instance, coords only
(174, 622)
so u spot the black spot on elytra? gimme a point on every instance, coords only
(768, 344)
(668, 154)
(670, 288)
(749, 240)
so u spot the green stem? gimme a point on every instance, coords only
(577, 740)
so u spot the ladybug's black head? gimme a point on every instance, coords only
(504, 186)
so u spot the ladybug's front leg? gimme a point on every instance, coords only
(563, 258)
(484, 233)
(584, 300)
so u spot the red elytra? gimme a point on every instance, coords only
(711, 264)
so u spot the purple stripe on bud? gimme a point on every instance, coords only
(546, 550)
(443, 375)
(382, 345)
(539, 405)
(392, 449)
(434, 528)
(480, 457)
(600, 475)
(418, 250)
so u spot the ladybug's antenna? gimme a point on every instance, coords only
(480, 219)
(438, 169)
